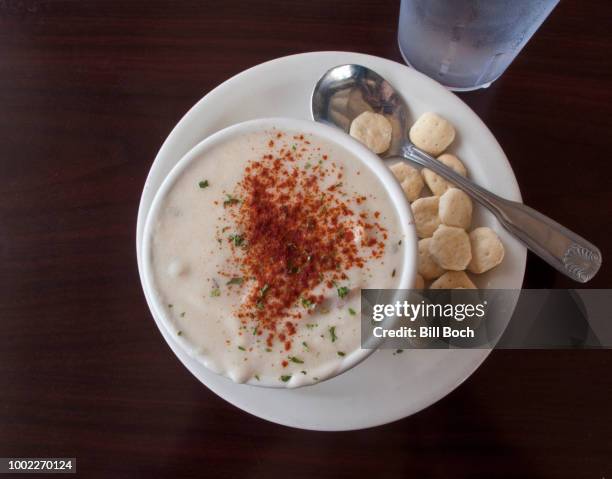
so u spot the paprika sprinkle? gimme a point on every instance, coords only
(299, 231)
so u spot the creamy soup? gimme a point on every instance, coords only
(260, 249)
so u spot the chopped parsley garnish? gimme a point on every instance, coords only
(343, 291)
(311, 325)
(203, 184)
(307, 166)
(332, 333)
(293, 359)
(171, 306)
(183, 314)
(255, 331)
(268, 350)
(352, 312)
(399, 243)
(306, 303)
(341, 354)
(393, 274)
(230, 201)
(293, 147)
(238, 240)
(285, 378)
(235, 280)
(215, 292)
(179, 333)
(399, 351)
(241, 348)
(262, 293)
(305, 344)
(257, 377)
(303, 372)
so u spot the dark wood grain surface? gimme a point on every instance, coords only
(89, 90)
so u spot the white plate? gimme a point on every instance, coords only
(385, 387)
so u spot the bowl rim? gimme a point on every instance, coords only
(329, 133)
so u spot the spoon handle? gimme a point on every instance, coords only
(563, 249)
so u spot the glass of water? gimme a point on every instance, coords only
(467, 44)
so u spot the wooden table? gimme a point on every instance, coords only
(89, 90)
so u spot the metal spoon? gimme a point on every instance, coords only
(345, 91)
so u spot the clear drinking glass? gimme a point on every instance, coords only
(467, 44)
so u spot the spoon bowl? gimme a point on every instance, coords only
(346, 91)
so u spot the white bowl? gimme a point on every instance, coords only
(367, 158)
